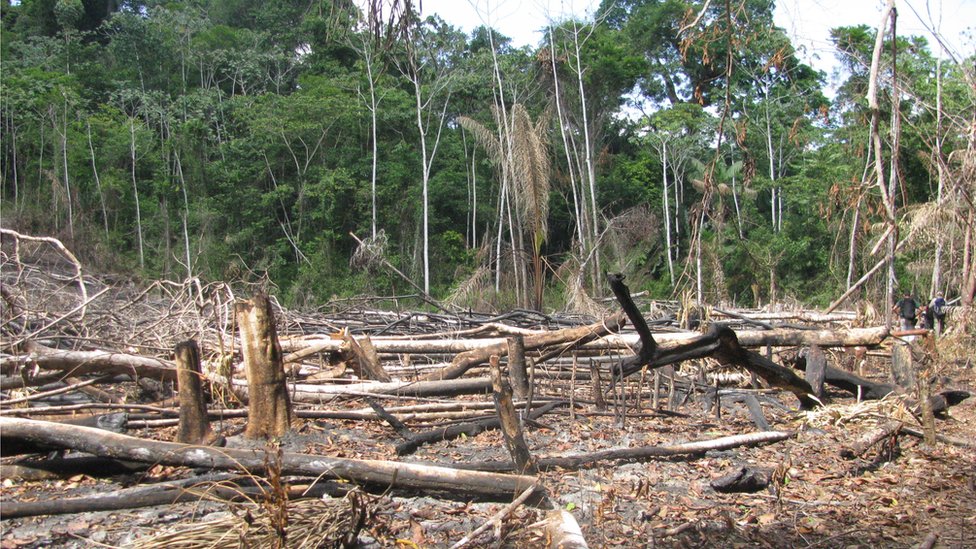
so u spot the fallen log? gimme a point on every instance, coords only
(86, 362)
(318, 394)
(576, 336)
(222, 487)
(581, 461)
(866, 389)
(563, 531)
(386, 474)
(744, 479)
(108, 422)
(869, 440)
(33, 469)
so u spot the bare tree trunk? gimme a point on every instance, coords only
(872, 97)
(590, 167)
(578, 208)
(67, 183)
(940, 169)
(184, 216)
(98, 181)
(269, 408)
(667, 208)
(135, 190)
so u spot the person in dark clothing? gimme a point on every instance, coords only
(926, 317)
(937, 308)
(906, 308)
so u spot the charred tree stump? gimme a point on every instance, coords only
(510, 424)
(194, 422)
(816, 369)
(744, 479)
(601, 404)
(269, 408)
(516, 367)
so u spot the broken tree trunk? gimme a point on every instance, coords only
(517, 372)
(509, 420)
(388, 474)
(569, 336)
(194, 422)
(816, 369)
(366, 360)
(269, 410)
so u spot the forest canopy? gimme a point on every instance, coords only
(334, 149)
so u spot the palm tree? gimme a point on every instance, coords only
(522, 158)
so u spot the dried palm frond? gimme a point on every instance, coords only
(891, 407)
(312, 523)
(578, 301)
(470, 290)
(531, 168)
(485, 137)
(370, 252)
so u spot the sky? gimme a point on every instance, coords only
(807, 22)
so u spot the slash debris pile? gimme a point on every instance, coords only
(360, 427)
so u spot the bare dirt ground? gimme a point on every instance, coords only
(901, 493)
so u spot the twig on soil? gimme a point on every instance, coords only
(496, 518)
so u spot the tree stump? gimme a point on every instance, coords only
(516, 367)
(816, 370)
(902, 366)
(269, 408)
(511, 427)
(194, 423)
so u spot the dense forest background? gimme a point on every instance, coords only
(679, 141)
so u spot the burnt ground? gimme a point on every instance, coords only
(899, 493)
(894, 496)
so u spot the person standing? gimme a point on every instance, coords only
(938, 308)
(906, 308)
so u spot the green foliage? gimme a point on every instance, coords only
(247, 126)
